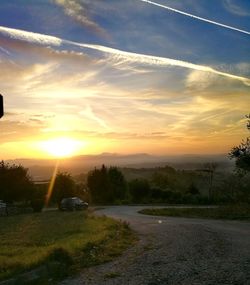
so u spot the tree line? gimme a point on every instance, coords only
(107, 185)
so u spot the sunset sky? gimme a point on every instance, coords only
(123, 76)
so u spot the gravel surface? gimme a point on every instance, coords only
(175, 251)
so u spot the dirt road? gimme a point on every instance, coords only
(175, 251)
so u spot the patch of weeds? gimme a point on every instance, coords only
(91, 253)
(126, 224)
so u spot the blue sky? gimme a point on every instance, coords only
(170, 84)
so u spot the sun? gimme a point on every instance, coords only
(61, 147)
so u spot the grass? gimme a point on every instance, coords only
(235, 212)
(73, 239)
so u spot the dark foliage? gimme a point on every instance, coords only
(164, 177)
(106, 185)
(193, 190)
(61, 255)
(241, 153)
(139, 190)
(15, 183)
(98, 185)
(37, 205)
(118, 185)
(161, 180)
(64, 187)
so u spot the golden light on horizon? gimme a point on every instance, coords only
(61, 147)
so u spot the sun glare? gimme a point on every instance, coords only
(61, 147)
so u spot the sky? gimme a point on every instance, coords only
(161, 77)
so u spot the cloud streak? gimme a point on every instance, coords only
(235, 9)
(196, 17)
(88, 112)
(116, 54)
(78, 11)
(161, 61)
(30, 37)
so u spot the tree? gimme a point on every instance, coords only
(241, 153)
(117, 183)
(106, 185)
(139, 189)
(15, 183)
(160, 180)
(98, 185)
(64, 187)
(164, 177)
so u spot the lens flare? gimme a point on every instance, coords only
(51, 184)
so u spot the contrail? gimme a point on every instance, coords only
(196, 17)
(45, 40)
(160, 61)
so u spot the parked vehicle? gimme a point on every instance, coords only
(73, 203)
(3, 208)
(2, 204)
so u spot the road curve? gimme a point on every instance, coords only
(175, 251)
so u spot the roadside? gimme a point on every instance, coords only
(230, 212)
(175, 251)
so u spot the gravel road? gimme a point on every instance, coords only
(175, 251)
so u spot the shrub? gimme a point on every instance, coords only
(37, 205)
(193, 190)
(60, 255)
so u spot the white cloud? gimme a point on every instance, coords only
(118, 55)
(89, 113)
(30, 37)
(78, 10)
(200, 80)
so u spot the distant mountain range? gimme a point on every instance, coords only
(41, 169)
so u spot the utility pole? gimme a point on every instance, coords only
(1, 106)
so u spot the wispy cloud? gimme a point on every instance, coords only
(197, 17)
(119, 55)
(78, 10)
(200, 81)
(89, 113)
(233, 8)
(18, 131)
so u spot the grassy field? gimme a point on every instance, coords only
(73, 239)
(241, 212)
